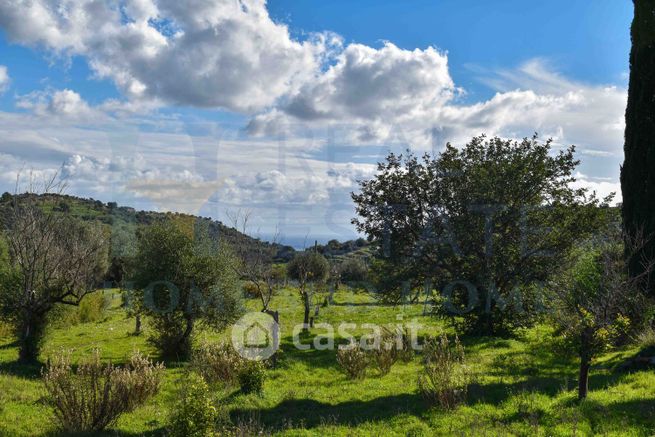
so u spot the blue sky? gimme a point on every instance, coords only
(588, 40)
(280, 107)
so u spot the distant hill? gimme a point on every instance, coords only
(123, 222)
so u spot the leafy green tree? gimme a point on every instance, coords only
(311, 270)
(595, 303)
(53, 259)
(484, 224)
(184, 276)
(638, 171)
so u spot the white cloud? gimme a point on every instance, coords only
(205, 53)
(4, 79)
(602, 187)
(230, 54)
(58, 103)
(419, 106)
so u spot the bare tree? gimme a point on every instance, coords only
(257, 261)
(54, 259)
(239, 219)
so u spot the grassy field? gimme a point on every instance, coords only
(522, 387)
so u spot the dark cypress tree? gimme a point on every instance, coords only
(638, 170)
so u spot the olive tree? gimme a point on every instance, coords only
(183, 276)
(310, 269)
(53, 259)
(485, 224)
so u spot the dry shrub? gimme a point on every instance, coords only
(353, 360)
(386, 354)
(247, 428)
(404, 347)
(446, 376)
(95, 395)
(646, 338)
(218, 362)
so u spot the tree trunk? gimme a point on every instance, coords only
(583, 381)
(307, 310)
(31, 331)
(184, 344)
(276, 334)
(137, 325)
(638, 170)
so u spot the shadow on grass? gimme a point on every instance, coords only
(497, 392)
(21, 370)
(313, 357)
(106, 433)
(634, 413)
(10, 345)
(310, 413)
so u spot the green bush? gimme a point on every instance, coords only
(446, 376)
(251, 376)
(353, 270)
(94, 395)
(218, 362)
(93, 307)
(353, 361)
(195, 414)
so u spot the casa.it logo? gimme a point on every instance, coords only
(256, 336)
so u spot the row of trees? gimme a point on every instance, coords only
(178, 274)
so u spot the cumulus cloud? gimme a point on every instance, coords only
(420, 106)
(4, 79)
(205, 53)
(59, 103)
(230, 54)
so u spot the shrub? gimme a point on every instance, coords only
(384, 358)
(446, 376)
(194, 414)
(251, 376)
(386, 354)
(646, 338)
(217, 362)
(353, 361)
(94, 396)
(93, 307)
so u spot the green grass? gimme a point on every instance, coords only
(522, 387)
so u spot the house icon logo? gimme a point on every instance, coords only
(255, 336)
